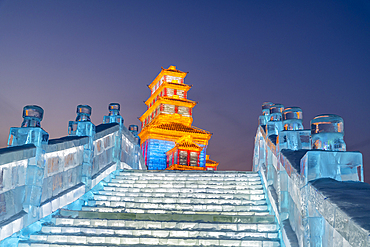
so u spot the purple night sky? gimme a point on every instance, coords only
(310, 54)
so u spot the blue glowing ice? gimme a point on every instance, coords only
(30, 131)
(275, 124)
(82, 126)
(114, 116)
(327, 133)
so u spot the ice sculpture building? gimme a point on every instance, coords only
(168, 140)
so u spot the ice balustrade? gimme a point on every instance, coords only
(38, 177)
(317, 193)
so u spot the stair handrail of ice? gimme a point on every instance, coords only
(306, 214)
(61, 173)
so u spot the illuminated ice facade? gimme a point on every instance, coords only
(167, 120)
(315, 187)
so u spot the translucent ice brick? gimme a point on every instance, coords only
(275, 124)
(82, 126)
(30, 130)
(263, 119)
(292, 118)
(114, 115)
(327, 132)
(134, 129)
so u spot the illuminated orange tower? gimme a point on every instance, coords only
(167, 119)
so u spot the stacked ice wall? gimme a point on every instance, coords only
(305, 173)
(39, 176)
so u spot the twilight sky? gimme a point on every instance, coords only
(310, 54)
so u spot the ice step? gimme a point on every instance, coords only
(189, 173)
(98, 197)
(111, 191)
(123, 183)
(161, 225)
(182, 205)
(98, 240)
(251, 217)
(124, 188)
(172, 178)
(163, 211)
(128, 179)
(167, 232)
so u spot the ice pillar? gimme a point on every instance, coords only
(275, 124)
(113, 116)
(134, 129)
(84, 127)
(327, 132)
(263, 119)
(31, 132)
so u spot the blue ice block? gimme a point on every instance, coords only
(30, 131)
(134, 129)
(327, 132)
(295, 139)
(263, 119)
(275, 124)
(82, 126)
(292, 118)
(113, 116)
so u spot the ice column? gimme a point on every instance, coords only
(293, 136)
(114, 116)
(31, 132)
(275, 124)
(327, 133)
(263, 119)
(84, 127)
(292, 118)
(134, 129)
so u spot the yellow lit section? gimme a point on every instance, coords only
(171, 71)
(167, 85)
(185, 168)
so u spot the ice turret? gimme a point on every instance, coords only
(30, 131)
(134, 129)
(82, 126)
(327, 133)
(113, 116)
(275, 124)
(263, 119)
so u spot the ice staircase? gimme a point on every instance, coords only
(167, 208)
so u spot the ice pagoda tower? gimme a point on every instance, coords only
(167, 121)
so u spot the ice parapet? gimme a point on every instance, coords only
(30, 131)
(327, 133)
(275, 124)
(82, 126)
(114, 116)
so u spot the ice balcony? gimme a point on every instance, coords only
(315, 187)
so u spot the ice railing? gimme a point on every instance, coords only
(314, 186)
(43, 175)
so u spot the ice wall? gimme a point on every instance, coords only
(37, 180)
(309, 189)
